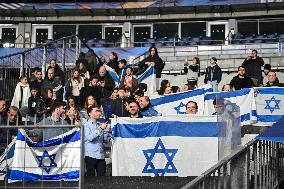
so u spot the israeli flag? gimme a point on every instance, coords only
(183, 145)
(149, 78)
(269, 105)
(243, 98)
(207, 88)
(175, 103)
(54, 159)
(7, 159)
(113, 75)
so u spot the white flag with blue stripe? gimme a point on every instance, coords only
(7, 159)
(164, 146)
(269, 105)
(175, 103)
(113, 75)
(149, 78)
(55, 159)
(243, 98)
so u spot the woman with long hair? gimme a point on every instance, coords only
(153, 60)
(193, 70)
(90, 101)
(83, 71)
(74, 85)
(113, 62)
(72, 116)
(22, 93)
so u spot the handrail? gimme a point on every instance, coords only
(46, 44)
(258, 163)
(219, 164)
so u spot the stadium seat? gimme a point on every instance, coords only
(194, 41)
(205, 41)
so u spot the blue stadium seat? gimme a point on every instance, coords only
(194, 41)
(281, 37)
(205, 41)
(247, 39)
(259, 39)
(270, 38)
(159, 44)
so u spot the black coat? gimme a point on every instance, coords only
(32, 105)
(159, 64)
(274, 84)
(253, 67)
(114, 65)
(109, 85)
(36, 84)
(118, 108)
(240, 83)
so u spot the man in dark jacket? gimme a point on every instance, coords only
(93, 90)
(253, 65)
(38, 81)
(48, 80)
(273, 80)
(57, 70)
(213, 74)
(106, 83)
(6, 135)
(241, 80)
(118, 106)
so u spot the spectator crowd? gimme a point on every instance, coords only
(87, 93)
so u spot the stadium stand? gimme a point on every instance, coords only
(115, 52)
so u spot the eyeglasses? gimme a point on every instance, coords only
(242, 70)
(191, 107)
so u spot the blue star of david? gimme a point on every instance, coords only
(276, 106)
(179, 107)
(169, 153)
(40, 159)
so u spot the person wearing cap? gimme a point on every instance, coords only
(213, 74)
(253, 65)
(266, 70)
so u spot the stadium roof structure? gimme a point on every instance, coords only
(126, 5)
(151, 7)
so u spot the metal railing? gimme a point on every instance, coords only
(23, 181)
(259, 164)
(64, 50)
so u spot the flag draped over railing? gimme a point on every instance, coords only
(54, 159)
(164, 146)
(176, 103)
(269, 105)
(243, 98)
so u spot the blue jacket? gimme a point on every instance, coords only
(148, 111)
